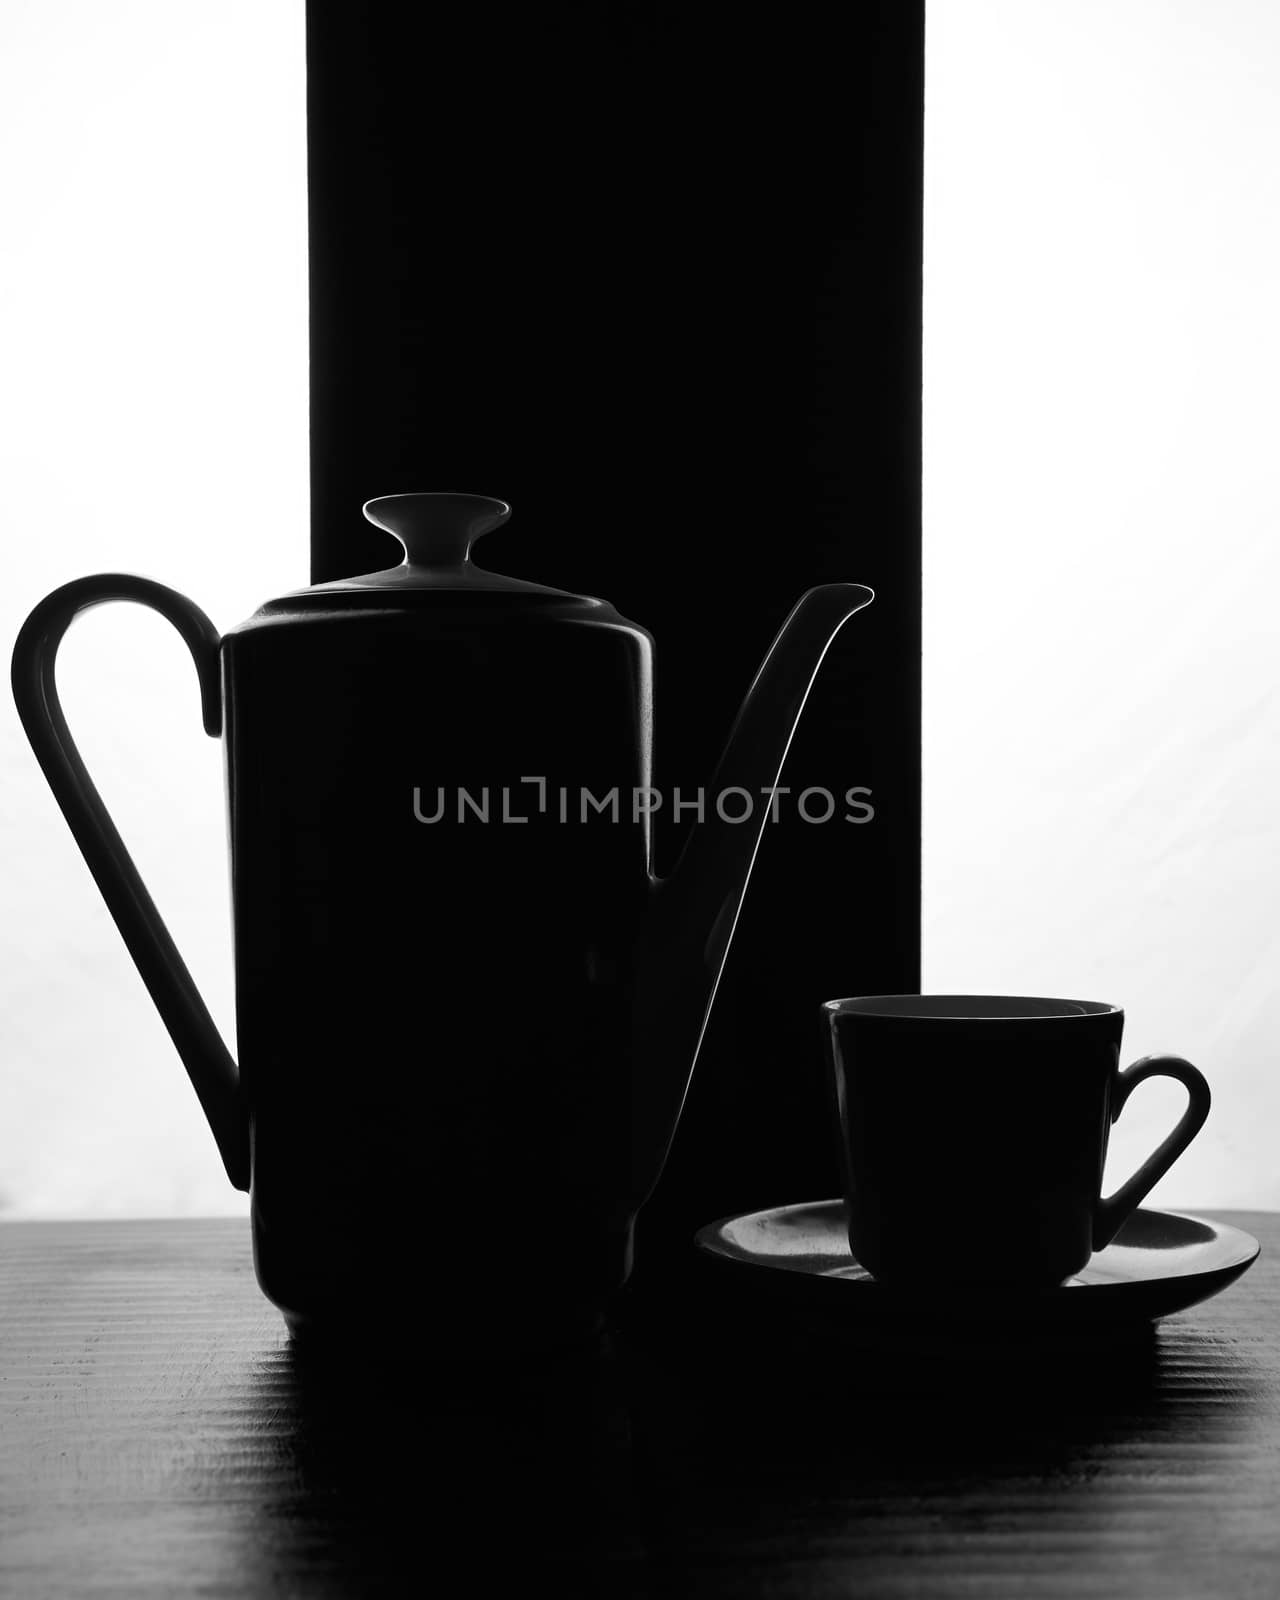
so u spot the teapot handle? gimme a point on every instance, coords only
(206, 1058)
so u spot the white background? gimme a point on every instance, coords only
(153, 418)
(1102, 505)
(1102, 711)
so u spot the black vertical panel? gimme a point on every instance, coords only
(654, 276)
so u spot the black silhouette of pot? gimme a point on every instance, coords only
(467, 1010)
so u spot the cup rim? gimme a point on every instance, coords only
(968, 1008)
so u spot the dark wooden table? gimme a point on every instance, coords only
(159, 1435)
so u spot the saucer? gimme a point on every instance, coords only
(1160, 1262)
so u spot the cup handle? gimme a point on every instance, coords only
(1112, 1212)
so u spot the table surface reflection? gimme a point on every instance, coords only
(159, 1434)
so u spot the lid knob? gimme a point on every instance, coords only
(437, 530)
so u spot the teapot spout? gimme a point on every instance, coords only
(695, 910)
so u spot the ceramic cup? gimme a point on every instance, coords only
(973, 1131)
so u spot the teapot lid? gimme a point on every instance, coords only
(437, 532)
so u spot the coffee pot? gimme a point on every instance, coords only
(467, 1010)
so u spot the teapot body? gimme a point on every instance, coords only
(467, 1012)
(440, 880)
